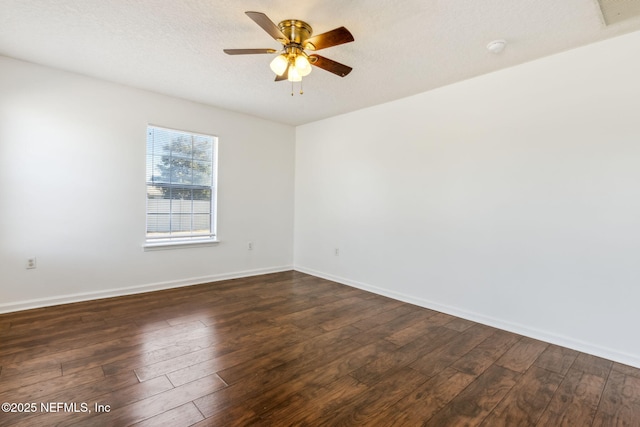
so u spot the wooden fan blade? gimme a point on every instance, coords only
(268, 25)
(248, 51)
(330, 38)
(284, 75)
(330, 65)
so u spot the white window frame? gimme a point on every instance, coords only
(182, 241)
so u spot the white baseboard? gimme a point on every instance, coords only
(546, 336)
(110, 293)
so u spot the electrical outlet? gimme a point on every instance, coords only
(337, 252)
(31, 263)
(250, 246)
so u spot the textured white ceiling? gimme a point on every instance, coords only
(401, 47)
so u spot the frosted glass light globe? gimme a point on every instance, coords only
(279, 64)
(302, 65)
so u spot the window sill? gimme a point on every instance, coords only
(179, 244)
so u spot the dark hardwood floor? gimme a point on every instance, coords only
(291, 349)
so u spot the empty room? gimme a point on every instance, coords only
(321, 213)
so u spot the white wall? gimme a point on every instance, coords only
(65, 137)
(512, 199)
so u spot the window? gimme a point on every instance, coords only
(181, 190)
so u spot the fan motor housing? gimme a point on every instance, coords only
(296, 31)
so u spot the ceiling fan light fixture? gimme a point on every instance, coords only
(294, 74)
(279, 64)
(302, 65)
(292, 62)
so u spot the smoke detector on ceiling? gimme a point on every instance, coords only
(496, 46)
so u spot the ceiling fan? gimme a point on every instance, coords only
(293, 62)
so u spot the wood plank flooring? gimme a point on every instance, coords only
(292, 349)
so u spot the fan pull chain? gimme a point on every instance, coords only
(301, 91)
